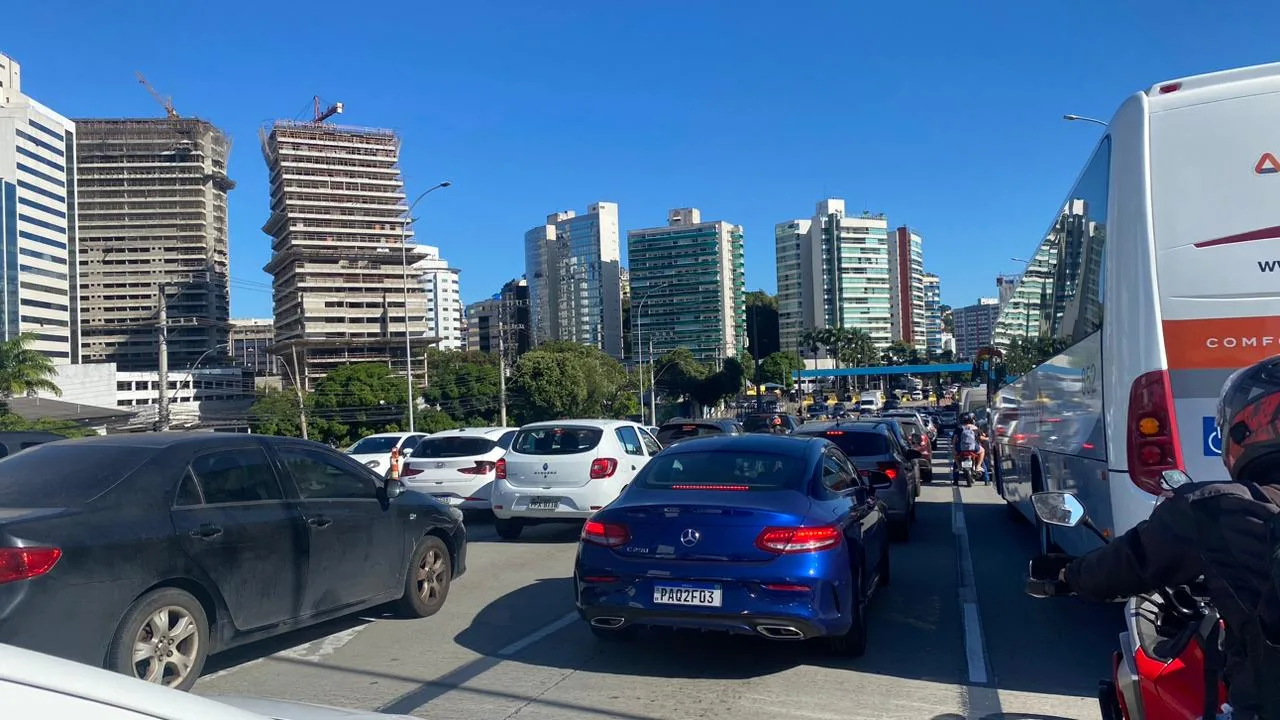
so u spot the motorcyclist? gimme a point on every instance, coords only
(776, 427)
(968, 421)
(1217, 530)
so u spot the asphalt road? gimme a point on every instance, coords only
(953, 637)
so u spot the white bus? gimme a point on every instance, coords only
(1158, 277)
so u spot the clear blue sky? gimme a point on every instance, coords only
(944, 114)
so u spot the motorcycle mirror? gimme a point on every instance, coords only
(1171, 479)
(1058, 508)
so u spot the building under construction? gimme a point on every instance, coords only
(339, 227)
(152, 215)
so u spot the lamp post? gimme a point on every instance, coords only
(404, 266)
(1082, 118)
(191, 374)
(639, 341)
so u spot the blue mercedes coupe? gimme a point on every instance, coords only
(770, 535)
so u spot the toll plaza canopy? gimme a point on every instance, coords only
(886, 370)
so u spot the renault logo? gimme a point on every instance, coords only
(690, 537)
(545, 466)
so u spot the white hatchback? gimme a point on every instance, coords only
(566, 470)
(458, 466)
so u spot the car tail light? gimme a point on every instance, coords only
(25, 563)
(790, 540)
(710, 487)
(500, 469)
(890, 469)
(603, 467)
(606, 534)
(482, 467)
(410, 472)
(1153, 445)
(782, 587)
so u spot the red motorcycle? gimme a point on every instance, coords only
(1162, 670)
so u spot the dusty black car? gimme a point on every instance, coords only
(13, 442)
(145, 553)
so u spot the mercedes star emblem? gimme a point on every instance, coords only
(690, 537)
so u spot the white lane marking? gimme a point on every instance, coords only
(530, 639)
(974, 650)
(313, 651)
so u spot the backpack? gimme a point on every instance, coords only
(1237, 532)
(968, 441)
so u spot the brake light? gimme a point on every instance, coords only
(410, 472)
(779, 587)
(889, 469)
(606, 534)
(710, 487)
(1153, 445)
(790, 540)
(1170, 87)
(603, 467)
(25, 563)
(500, 469)
(482, 467)
(830, 433)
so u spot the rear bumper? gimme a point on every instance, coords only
(723, 622)
(572, 503)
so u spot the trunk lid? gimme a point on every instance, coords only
(706, 526)
(1215, 172)
(548, 457)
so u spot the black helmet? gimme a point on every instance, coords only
(968, 419)
(1249, 415)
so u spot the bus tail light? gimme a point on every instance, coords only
(1153, 445)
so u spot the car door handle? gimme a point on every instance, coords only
(206, 532)
(319, 522)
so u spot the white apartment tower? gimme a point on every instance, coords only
(833, 271)
(573, 265)
(38, 293)
(340, 233)
(445, 312)
(153, 217)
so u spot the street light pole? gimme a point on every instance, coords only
(1082, 118)
(404, 267)
(639, 342)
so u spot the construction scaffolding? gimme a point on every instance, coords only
(152, 212)
(342, 290)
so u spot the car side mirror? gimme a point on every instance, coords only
(406, 452)
(390, 489)
(879, 480)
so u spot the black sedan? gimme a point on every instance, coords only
(145, 553)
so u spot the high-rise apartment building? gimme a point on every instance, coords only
(507, 313)
(153, 218)
(689, 275)
(573, 265)
(932, 315)
(249, 341)
(444, 299)
(833, 271)
(38, 293)
(906, 273)
(974, 326)
(339, 231)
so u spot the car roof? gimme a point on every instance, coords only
(788, 445)
(391, 434)
(473, 432)
(156, 440)
(718, 422)
(871, 426)
(584, 422)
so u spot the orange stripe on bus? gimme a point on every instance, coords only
(1220, 343)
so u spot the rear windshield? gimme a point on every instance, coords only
(453, 447)
(670, 433)
(910, 427)
(48, 476)
(723, 470)
(558, 440)
(856, 443)
(373, 445)
(753, 423)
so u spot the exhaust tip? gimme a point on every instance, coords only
(607, 622)
(780, 632)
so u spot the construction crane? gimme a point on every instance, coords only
(318, 116)
(166, 103)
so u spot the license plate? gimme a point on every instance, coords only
(449, 499)
(696, 596)
(544, 503)
(966, 464)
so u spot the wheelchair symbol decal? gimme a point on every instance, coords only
(1212, 440)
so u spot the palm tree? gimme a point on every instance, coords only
(23, 371)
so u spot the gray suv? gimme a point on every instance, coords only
(875, 446)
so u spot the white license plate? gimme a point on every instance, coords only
(700, 597)
(544, 503)
(966, 464)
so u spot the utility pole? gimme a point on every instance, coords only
(653, 391)
(162, 314)
(502, 368)
(297, 388)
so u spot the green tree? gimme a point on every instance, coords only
(900, 353)
(677, 374)
(357, 400)
(276, 412)
(778, 367)
(465, 386)
(10, 422)
(726, 382)
(563, 379)
(948, 319)
(24, 371)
